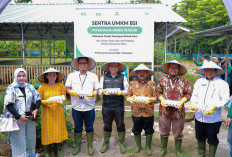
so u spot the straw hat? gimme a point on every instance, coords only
(141, 67)
(91, 63)
(60, 76)
(106, 67)
(210, 65)
(181, 71)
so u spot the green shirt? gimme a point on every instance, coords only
(198, 64)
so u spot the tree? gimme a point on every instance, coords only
(145, 1)
(22, 1)
(202, 15)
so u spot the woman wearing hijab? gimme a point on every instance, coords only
(53, 126)
(18, 100)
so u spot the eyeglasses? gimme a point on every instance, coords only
(113, 66)
(82, 63)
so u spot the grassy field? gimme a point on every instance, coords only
(34, 61)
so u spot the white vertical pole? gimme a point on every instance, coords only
(23, 46)
(165, 43)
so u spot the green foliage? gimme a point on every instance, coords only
(202, 15)
(145, 1)
(35, 80)
(158, 53)
(22, 1)
(67, 114)
(1, 103)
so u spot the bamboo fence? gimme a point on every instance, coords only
(7, 72)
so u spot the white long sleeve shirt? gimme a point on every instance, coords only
(213, 92)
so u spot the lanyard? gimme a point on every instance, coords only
(82, 83)
(172, 85)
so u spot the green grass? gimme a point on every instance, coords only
(36, 61)
(1, 103)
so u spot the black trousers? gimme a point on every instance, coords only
(207, 131)
(116, 114)
(141, 123)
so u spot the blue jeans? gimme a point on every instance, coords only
(229, 139)
(86, 116)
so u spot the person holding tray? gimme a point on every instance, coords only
(53, 126)
(113, 86)
(142, 95)
(172, 88)
(212, 93)
(82, 85)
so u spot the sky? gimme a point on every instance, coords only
(165, 2)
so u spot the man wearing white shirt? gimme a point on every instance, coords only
(113, 103)
(82, 85)
(213, 92)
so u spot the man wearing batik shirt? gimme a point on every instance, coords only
(142, 112)
(172, 87)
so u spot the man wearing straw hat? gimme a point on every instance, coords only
(142, 112)
(113, 103)
(212, 92)
(177, 88)
(82, 85)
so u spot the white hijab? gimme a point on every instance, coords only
(16, 83)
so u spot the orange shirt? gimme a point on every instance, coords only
(148, 89)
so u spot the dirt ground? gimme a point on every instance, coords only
(189, 145)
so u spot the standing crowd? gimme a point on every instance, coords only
(22, 101)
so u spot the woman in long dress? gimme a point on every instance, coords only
(53, 126)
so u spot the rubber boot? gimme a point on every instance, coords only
(201, 148)
(164, 144)
(148, 144)
(122, 145)
(106, 142)
(89, 136)
(47, 150)
(138, 143)
(212, 150)
(178, 148)
(58, 150)
(78, 137)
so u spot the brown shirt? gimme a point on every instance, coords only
(173, 90)
(148, 89)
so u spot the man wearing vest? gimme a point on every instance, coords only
(113, 103)
(142, 112)
(172, 87)
(82, 85)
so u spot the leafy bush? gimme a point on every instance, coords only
(1, 103)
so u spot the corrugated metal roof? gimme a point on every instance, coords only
(221, 30)
(65, 12)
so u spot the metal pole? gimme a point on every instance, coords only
(152, 64)
(165, 43)
(54, 45)
(49, 46)
(175, 44)
(23, 46)
(157, 54)
(41, 49)
(227, 52)
(65, 48)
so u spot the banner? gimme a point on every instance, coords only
(114, 34)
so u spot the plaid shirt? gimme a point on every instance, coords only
(148, 89)
(173, 91)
